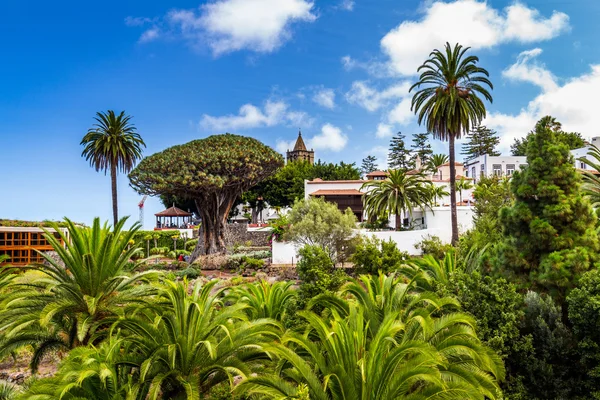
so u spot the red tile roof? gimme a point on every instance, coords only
(337, 192)
(317, 180)
(378, 173)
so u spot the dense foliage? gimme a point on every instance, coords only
(213, 172)
(316, 222)
(421, 147)
(549, 231)
(573, 140)
(368, 165)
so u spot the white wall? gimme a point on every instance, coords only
(438, 224)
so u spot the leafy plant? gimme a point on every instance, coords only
(373, 255)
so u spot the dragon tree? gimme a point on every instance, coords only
(212, 172)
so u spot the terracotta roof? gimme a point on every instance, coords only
(173, 212)
(338, 192)
(591, 171)
(300, 146)
(317, 180)
(378, 173)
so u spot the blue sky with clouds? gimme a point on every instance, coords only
(338, 69)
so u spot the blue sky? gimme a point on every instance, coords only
(338, 69)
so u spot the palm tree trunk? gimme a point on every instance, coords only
(398, 221)
(453, 192)
(113, 179)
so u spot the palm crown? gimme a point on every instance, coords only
(449, 102)
(112, 143)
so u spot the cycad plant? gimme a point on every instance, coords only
(448, 101)
(113, 144)
(190, 343)
(423, 357)
(264, 299)
(65, 303)
(398, 194)
(102, 373)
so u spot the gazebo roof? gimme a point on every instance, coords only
(173, 212)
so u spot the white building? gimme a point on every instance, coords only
(501, 166)
(349, 193)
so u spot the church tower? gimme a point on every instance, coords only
(300, 153)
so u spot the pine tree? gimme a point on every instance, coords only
(421, 147)
(549, 231)
(399, 155)
(480, 141)
(368, 165)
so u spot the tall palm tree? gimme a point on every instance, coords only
(70, 302)
(113, 144)
(448, 102)
(435, 162)
(399, 193)
(463, 184)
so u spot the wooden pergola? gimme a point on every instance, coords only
(173, 218)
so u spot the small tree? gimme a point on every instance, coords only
(214, 172)
(421, 147)
(399, 155)
(368, 165)
(550, 237)
(316, 222)
(463, 184)
(481, 141)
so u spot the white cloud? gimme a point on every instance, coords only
(374, 68)
(401, 113)
(468, 22)
(138, 21)
(347, 5)
(384, 130)
(249, 116)
(331, 138)
(372, 99)
(381, 152)
(231, 25)
(150, 35)
(573, 104)
(325, 98)
(527, 71)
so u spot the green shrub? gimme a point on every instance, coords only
(253, 263)
(433, 245)
(372, 255)
(189, 273)
(159, 250)
(164, 239)
(191, 244)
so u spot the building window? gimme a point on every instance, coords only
(582, 165)
(510, 169)
(440, 174)
(497, 169)
(483, 170)
(473, 172)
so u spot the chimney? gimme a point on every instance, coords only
(418, 163)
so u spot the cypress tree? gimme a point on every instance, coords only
(368, 165)
(421, 147)
(399, 155)
(549, 231)
(480, 141)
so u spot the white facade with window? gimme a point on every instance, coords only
(493, 166)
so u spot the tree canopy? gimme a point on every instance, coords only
(421, 147)
(368, 165)
(480, 141)
(550, 237)
(399, 156)
(573, 140)
(213, 172)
